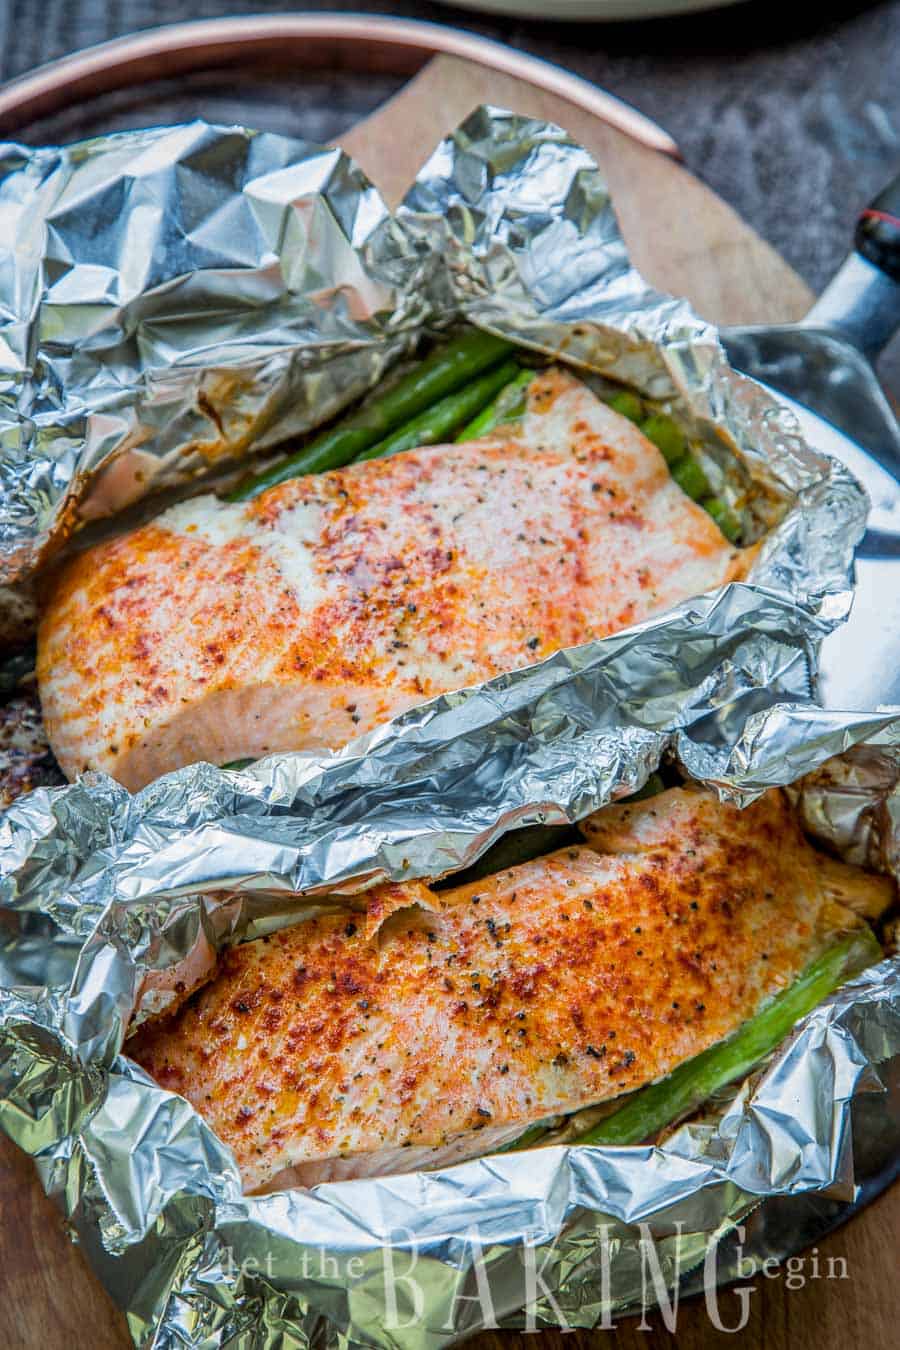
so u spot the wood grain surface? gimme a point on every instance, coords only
(688, 241)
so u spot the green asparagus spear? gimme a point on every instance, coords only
(648, 1110)
(509, 404)
(724, 517)
(513, 849)
(439, 422)
(447, 368)
(690, 478)
(669, 439)
(535, 1134)
(534, 841)
(666, 435)
(626, 403)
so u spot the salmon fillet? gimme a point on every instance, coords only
(332, 602)
(437, 1025)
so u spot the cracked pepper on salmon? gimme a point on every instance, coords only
(438, 1024)
(334, 601)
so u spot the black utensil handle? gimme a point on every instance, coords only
(878, 231)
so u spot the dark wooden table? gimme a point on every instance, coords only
(792, 114)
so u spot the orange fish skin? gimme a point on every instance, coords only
(446, 1021)
(333, 602)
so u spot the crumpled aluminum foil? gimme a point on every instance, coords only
(174, 296)
(169, 296)
(508, 225)
(156, 1199)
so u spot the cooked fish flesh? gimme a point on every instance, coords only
(332, 602)
(438, 1025)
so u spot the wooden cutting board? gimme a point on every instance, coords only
(685, 240)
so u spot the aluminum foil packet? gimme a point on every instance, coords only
(510, 226)
(557, 1236)
(175, 297)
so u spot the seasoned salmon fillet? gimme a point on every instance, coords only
(437, 1025)
(334, 601)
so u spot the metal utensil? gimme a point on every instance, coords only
(823, 369)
